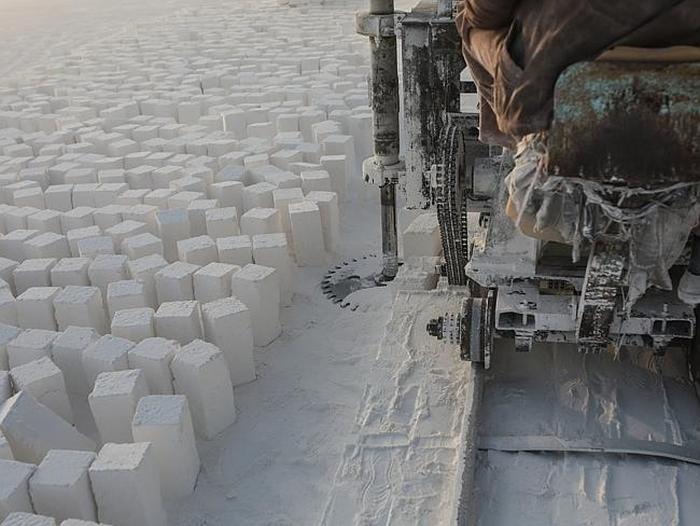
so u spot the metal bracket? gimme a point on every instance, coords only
(375, 26)
(376, 173)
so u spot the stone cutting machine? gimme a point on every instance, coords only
(515, 286)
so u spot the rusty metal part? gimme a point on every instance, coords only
(605, 276)
(627, 124)
(431, 67)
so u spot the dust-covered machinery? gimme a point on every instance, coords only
(624, 149)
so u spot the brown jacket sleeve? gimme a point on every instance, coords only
(488, 14)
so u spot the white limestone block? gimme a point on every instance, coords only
(235, 250)
(28, 346)
(261, 221)
(173, 226)
(134, 324)
(96, 246)
(106, 269)
(77, 235)
(153, 357)
(33, 430)
(175, 282)
(45, 382)
(201, 374)
(8, 308)
(79, 217)
(126, 229)
(142, 245)
(33, 273)
(229, 326)
(422, 237)
(127, 294)
(71, 271)
(47, 245)
(327, 203)
(166, 422)
(337, 168)
(35, 308)
(228, 193)
(7, 334)
(45, 221)
(180, 321)
(213, 282)
(222, 222)
(60, 486)
(27, 519)
(316, 181)
(12, 244)
(197, 250)
(197, 215)
(108, 216)
(284, 197)
(81, 307)
(14, 487)
(113, 403)
(67, 353)
(5, 451)
(5, 387)
(258, 288)
(307, 232)
(271, 250)
(128, 473)
(145, 269)
(108, 354)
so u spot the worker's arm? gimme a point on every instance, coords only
(487, 14)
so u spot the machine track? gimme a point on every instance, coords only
(563, 438)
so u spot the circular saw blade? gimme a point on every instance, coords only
(350, 276)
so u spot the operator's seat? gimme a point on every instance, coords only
(629, 124)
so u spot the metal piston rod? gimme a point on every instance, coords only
(385, 105)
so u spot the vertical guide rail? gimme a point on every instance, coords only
(384, 85)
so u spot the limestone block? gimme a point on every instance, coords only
(20, 518)
(201, 374)
(67, 353)
(422, 237)
(35, 308)
(142, 245)
(180, 321)
(7, 334)
(153, 357)
(284, 197)
(76, 235)
(261, 221)
(327, 203)
(222, 222)
(229, 326)
(175, 282)
(14, 487)
(127, 294)
(28, 346)
(113, 403)
(45, 382)
(173, 226)
(145, 269)
(33, 430)
(70, 271)
(128, 473)
(134, 324)
(33, 273)
(197, 250)
(47, 245)
(108, 354)
(235, 250)
(307, 232)
(96, 246)
(213, 282)
(166, 422)
(106, 269)
(60, 486)
(258, 288)
(80, 307)
(271, 250)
